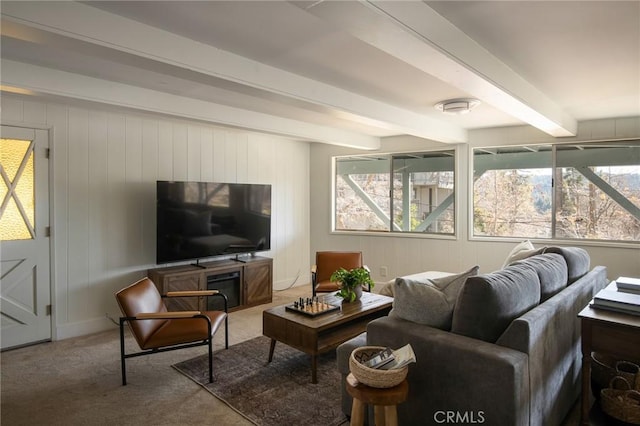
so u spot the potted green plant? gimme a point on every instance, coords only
(351, 282)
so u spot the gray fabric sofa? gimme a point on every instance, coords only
(512, 354)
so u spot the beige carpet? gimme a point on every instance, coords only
(77, 381)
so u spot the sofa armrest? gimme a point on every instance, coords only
(550, 334)
(476, 381)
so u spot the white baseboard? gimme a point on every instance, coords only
(82, 328)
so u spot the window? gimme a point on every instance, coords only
(512, 192)
(587, 191)
(17, 211)
(598, 192)
(406, 193)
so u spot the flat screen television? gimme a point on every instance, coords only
(197, 220)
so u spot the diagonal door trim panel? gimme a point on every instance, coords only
(12, 307)
(89, 24)
(416, 34)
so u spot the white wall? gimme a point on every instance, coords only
(105, 162)
(404, 255)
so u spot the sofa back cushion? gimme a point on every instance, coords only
(552, 272)
(488, 303)
(578, 261)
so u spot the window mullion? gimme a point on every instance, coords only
(406, 202)
(555, 192)
(391, 198)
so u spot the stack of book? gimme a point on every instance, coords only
(622, 295)
(628, 285)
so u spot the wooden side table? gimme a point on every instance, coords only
(608, 332)
(384, 401)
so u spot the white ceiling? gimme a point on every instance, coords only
(344, 72)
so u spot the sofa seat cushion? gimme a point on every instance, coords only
(488, 303)
(578, 261)
(552, 272)
(430, 301)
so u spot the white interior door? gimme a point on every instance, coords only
(25, 289)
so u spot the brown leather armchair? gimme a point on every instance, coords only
(157, 330)
(327, 262)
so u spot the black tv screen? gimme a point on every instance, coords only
(204, 219)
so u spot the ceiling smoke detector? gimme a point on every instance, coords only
(457, 106)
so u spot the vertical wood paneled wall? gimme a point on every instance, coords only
(104, 167)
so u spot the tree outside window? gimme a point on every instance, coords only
(405, 193)
(592, 193)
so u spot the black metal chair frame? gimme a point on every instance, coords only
(208, 341)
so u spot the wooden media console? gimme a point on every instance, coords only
(246, 283)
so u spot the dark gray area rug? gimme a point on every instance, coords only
(276, 393)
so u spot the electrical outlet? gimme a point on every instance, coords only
(383, 271)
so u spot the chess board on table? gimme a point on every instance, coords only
(312, 306)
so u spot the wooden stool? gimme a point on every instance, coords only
(387, 398)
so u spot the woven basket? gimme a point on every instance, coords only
(375, 378)
(604, 367)
(621, 404)
(631, 373)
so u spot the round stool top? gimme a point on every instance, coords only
(377, 396)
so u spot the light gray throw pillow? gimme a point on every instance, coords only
(429, 302)
(387, 288)
(523, 250)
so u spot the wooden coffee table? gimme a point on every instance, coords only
(322, 333)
